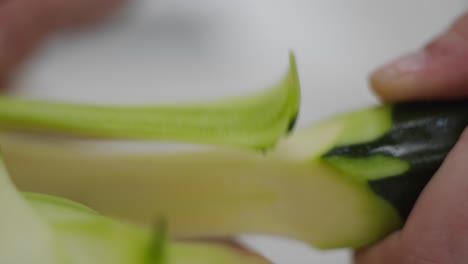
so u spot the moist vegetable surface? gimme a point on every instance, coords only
(345, 182)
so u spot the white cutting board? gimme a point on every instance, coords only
(166, 50)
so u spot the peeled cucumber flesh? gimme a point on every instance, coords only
(91, 238)
(43, 229)
(25, 237)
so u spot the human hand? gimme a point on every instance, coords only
(437, 229)
(24, 24)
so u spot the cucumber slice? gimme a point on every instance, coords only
(91, 238)
(25, 238)
(43, 229)
(256, 121)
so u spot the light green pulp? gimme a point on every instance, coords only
(90, 238)
(364, 125)
(361, 127)
(43, 229)
(255, 121)
(25, 238)
(370, 168)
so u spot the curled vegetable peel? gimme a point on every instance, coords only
(255, 121)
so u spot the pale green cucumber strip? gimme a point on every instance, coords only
(215, 192)
(312, 141)
(91, 238)
(365, 125)
(42, 229)
(94, 239)
(255, 121)
(370, 168)
(25, 238)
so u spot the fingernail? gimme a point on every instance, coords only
(409, 64)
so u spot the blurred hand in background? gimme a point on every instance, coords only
(24, 24)
(437, 230)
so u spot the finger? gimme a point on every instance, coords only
(24, 24)
(437, 230)
(440, 70)
(19, 34)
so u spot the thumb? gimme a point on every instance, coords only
(437, 230)
(439, 70)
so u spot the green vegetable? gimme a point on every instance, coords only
(341, 183)
(25, 237)
(255, 121)
(400, 162)
(91, 238)
(43, 229)
(346, 182)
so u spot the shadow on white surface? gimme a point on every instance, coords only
(169, 50)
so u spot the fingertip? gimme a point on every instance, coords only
(26, 24)
(438, 71)
(390, 84)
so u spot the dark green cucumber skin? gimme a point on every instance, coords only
(422, 133)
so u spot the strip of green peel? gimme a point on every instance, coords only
(354, 128)
(46, 201)
(94, 239)
(313, 141)
(256, 121)
(364, 125)
(88, 237)
(370, 168)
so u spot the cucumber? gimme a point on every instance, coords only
(408, 153)
(91, 238)
(42, 229)
(25, 237)
(212, 192)
(346, 182)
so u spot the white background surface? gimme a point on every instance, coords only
(192, 49)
